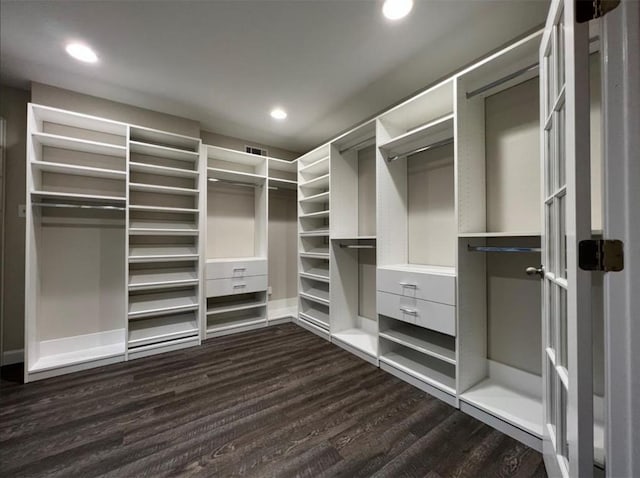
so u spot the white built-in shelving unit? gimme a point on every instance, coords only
(165, 226)
(416, 280)
(314, 199)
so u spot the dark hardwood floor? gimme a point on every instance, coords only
(274, 402)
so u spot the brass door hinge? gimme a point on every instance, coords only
(587, 10)
(601, 255)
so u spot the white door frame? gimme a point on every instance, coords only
(620, 37)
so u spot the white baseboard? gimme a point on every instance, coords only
(9, 357)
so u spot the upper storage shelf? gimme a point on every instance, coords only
(158, 139)
(420, 122)
(231, 166)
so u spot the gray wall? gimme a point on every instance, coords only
(13, 108)
(230, 142)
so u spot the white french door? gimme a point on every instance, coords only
(567, 367)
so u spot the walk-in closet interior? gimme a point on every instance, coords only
(433, 242)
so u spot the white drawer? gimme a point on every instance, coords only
(233, 268)
(241, 285)
(421, 285)
(430, 315)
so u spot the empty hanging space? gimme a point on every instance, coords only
(76, 283)
(282, 239)
(354, 323)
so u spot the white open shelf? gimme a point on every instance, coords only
(155, 188)
(76, 350)
(234, 156)
(163, 253)
(218, 323)
(317, 273)
(236, 305)
(90, 198)
(315, 215)
(78, 120)
(136, 207)
(514, 406)
(320, 182)
(320, 232)
(426, 342)
(316, 198)
(316, 295)
(155, 228)
(411, 362)
(81, 145)
(315, 320)
(161, 170)
(74, 170)
(499, 234)
(159, 151)
(363, 340)
(234, 176)
(317, 253)
(172, 140)
(424, 136)
(317, 167)
(146, 279)
(159, 304)
(161, 329)
(282, 165)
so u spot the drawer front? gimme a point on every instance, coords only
(235, 269)
(430, 315)
(423, 286)
(218, 287)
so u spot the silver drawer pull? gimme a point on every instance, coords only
(408, 311)
(237, 286)
(239, 268)
(409, 284)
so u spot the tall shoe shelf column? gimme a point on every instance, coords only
(236, 251)
(164, 228)
(416, 219)
(354, 324)
(75, 304)
(283, 240)
(313, 242)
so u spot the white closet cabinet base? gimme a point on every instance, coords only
(236, 328)
(140, 352)
(305, 324)
(32, 376)
(359, 343)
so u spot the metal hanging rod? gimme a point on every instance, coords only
(502, 249)
(78, 206)
(234, 183)
(361, 145)
(502, 80)
(357, 246)
(422, 149)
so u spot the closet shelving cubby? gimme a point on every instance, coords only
(75, 242)
(236, 252)
(313, 242)
(164, 230)
(499, 204)
(354, 324)
(416, 241)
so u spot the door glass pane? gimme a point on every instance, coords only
(560, 151)
(561, 430)
(550, 236)
(560, 54)
(562, 236)
(550, 161)
(551, 399)
(551, 315)
(561, 357)
(549, 67)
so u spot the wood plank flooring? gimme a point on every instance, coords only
(275, 402)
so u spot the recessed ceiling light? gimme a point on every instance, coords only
(81, 52)
(278, 113)
(396, 9)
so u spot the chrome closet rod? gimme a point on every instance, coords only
(357, 246)
(78, 206)
(422, 149)
(502, 249)
(502, 80)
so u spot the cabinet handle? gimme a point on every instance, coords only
(239, 268)
(237, 286)
(409, 311)
(409, 284)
